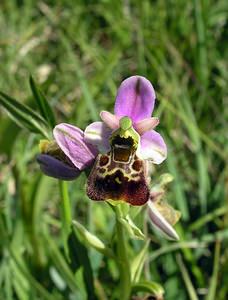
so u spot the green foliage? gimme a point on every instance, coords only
(43, 105)
(151, 287)
(23, 115)
(78, 53)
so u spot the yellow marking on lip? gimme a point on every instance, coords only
(118, 180)
(111, 172)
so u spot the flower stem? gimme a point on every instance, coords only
(123, 261)
(65, 214)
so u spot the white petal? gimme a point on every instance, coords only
(160, 222)
(153, 147)
(98, 134)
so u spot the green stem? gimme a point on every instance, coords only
(65, 214)
(123, 261)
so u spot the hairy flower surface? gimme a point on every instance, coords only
(118, 149)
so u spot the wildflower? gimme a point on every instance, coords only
(119, 148)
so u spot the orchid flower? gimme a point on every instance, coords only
(118, 149)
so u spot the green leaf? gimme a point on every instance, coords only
(61, 264)
(214, 279)
(132, 229)
(81, 78)
(24, 116)
(149, 287)
(79, 257)
(186, 278)
(196, 225)
(80, 279)
(24, 270)
(138, 262)
(65, 214)
(92, 240)
(43, 105)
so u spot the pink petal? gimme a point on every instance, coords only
(160, 222)
(146, 125)
(135, 98)
(71, 140)
(153, 147)
(112, 121)
(97, 134)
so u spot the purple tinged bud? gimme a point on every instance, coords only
(53, 167)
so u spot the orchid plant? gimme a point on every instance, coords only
(119, 149)
(119, 153)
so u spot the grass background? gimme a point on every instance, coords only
(79, 52)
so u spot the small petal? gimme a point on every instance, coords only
(112, 121)
(71, 141)
(135, 99)
(53, 167)
(160, 222)
(97, 134)
(153, 147)
(146, 125)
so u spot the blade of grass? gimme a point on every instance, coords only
(65, 214)
(178, 186)
(38, 287)
(208, 141)
(79, 256)
(81, 78)
(138, 262)
(174, 247)
(201, 58)
(186, 278)
(23, 115)
(214, 279)
(207, 218)
(61, 264)
(43, 105)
